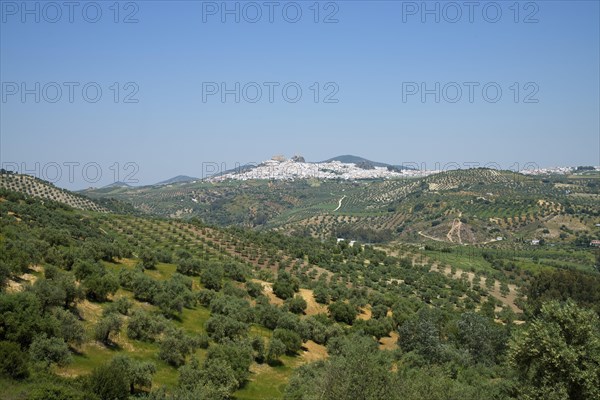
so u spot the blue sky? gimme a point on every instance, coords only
(369, 61)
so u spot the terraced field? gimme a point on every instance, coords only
(44, 190)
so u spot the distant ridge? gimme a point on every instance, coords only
(177, 179)
(118, 184)
(351, 159)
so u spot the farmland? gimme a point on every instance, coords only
(336, 272)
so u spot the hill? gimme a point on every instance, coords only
(177, 179)
(491, 204)
(141, 302)
(117, 185)
(350, 159)
(42, 189)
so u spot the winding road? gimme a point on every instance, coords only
(340, 204)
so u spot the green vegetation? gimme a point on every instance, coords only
(98, 305)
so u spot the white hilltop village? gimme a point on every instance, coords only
(296, 168)
(279, 168)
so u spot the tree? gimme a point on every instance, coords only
(285, 286)
(297, 305)
(357, 371)
(292, 341)
(582, 287)
(342, 312)
(267, 314)
(47, 351)
(378, 328)
(109, 383)
(21, 318)
(144, 288)
(71, 330)
(258, 346)
(558, 355)
(275, 350)
(214, 381)
(13, 361)
(144, 326)
(212, 277)
(122, 305)
(106, 326)
(314, 328)
(235, 271)
(481, 337)
(219, 374)
(321, 294)
(189, 266)
(170, 304)
(221, 328)
(73, 291)
(254, 289)
(379, 311)
(100, 286)
(136, 373)
(52, 391)
(175, 347)
(148, 259)
(49, 294)
(237, 354)
(422, 334)
(233, 307)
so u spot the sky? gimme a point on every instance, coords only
(140, 91)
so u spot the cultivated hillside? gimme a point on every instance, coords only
(475, 206)
(42, 189)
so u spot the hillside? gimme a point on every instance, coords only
(350, 159)
(177, 179)
(490, 203)
(42, 189)
(200, 310)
